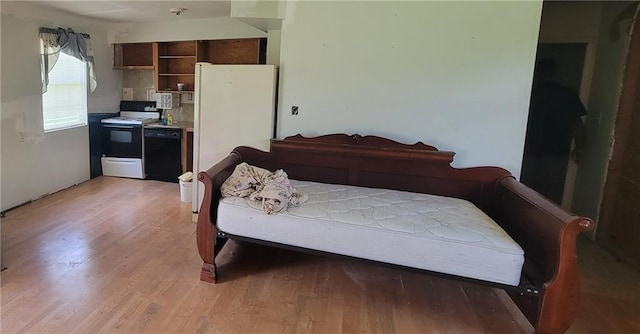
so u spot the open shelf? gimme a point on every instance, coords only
(175, 62)
(176, 57)
(145, 67)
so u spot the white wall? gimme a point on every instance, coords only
(273, 47)
(452, 74)
(258, 8)
(265, 15)
(31, 170)
(183, 30)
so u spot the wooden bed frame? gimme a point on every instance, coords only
(549, 288)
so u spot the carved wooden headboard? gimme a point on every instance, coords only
(372, 161)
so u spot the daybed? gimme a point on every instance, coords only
(539, 245)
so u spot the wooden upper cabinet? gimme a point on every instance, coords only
(233, 51)
(175, 61)
(133, 56)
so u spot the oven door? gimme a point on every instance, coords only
(122, 140)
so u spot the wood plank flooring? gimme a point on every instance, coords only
(119, 256)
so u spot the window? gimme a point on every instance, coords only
(64, 104)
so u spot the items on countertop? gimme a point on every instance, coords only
(175, 125)
(166, 118)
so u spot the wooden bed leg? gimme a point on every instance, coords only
(208, 273)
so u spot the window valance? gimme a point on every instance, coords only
(77, 45)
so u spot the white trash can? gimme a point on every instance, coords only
(185, 191)
(186, 187)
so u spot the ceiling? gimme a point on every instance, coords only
(140, 10)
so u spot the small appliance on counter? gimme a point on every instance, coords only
(122, 139)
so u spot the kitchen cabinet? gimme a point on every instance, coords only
(233, 51)
(175, 61)
(133, 56)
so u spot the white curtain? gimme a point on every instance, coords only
(54, 41)
(49, 52)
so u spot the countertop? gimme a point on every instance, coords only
(176, 125)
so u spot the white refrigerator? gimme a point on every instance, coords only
(234, 105)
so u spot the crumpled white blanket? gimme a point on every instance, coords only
(259, 184)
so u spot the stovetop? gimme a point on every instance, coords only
(135, 113)
(130, 120)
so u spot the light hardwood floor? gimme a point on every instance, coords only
(119, 256)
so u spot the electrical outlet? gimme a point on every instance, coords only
(127, 94)
(294, 110)
(151, 94)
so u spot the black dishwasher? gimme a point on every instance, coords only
(162, 154)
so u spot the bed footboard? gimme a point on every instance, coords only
(207, 237)
(206, 229)
(548, 236)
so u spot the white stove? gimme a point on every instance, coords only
(134, 117)
(123, 148)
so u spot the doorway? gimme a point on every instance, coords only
(570, 61)
(558, 81)
(605, 28)
(620, 215)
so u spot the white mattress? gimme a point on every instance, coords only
(436, 233)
